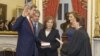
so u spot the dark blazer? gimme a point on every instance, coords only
(78, 46)
(36, 37)
(40, 26)
(52, 39)
(26, 41)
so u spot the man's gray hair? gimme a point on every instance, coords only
(31, 5)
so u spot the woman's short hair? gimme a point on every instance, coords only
(78, 18)
(50, 18)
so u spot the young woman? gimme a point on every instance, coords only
(47, 38)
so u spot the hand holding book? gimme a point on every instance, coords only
(45, 44)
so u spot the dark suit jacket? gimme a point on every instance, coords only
(40, 26)
(26, 40)
(78, 46)
(52, 39)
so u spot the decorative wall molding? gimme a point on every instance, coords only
(8, 42)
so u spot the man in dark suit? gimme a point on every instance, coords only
(36, 23)
(26, 38)
(37, 27)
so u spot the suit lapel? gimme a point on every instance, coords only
(39, 26)
(31, 25)
(49, 37)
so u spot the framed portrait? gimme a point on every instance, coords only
(3, 11)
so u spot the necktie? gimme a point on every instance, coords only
(35, 29)
(31, 25)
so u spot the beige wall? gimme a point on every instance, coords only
(13, 4)
(97, 18)
(11, 7)
(34, 1)
(98, 8)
